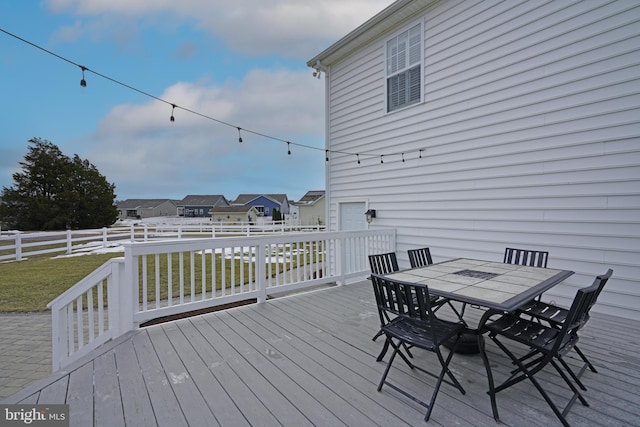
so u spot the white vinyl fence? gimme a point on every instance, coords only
(155, 279)
(15, 245)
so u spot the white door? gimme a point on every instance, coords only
(352, 216)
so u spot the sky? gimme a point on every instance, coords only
(241, 63)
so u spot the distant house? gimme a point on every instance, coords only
(146, 208)
(311, 208)
(200, 205)
(234, 214)
(264, 203)
(471, 126)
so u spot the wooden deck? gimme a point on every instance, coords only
(309, 359)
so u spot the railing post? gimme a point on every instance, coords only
(127, 291)
(261, 272)
(133, 233)
(146, 232)
(104, 237)
(58, 337)
(341, 261)
(18, 245)
(68, 242)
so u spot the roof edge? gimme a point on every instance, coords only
(361, 35)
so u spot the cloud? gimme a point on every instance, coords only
(138, 148)
(293, 28)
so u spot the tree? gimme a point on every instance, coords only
(54, 192)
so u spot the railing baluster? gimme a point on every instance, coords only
(101, 308)
(169, 280)
(144, 283)
(90, 319)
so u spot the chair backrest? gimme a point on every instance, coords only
(419, 257)
(525, 257)
(582, 303)
(600, 281)
(402, 298)
(383, 263)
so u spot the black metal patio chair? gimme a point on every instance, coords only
(526, 257)
(419, 257)
(383, 264)
(555, 316)
(551, 343)
(415, 325)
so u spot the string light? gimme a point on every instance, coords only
(83, 83)
(326, 155)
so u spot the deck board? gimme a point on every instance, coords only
(136, 405)
(309, 359)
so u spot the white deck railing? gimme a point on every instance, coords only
(164, 278)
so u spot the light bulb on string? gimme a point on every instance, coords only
(381, 161)
(402, 157)
(326, 155)
(358, 157)
(239, 135)
(173, 107)
(288, 148)
(83, 82)
(421, 150)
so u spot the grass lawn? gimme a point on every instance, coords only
(31, 284)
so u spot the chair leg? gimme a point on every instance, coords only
(487, 366)
(385, 347)
(573, 375)
(576, 392)
(584, 358)
(445, 370)
(526, 373)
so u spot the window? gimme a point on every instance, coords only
(404, 68)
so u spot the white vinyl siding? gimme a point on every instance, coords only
(404, 68)
(530, 137)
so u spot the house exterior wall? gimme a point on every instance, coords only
(530, 137)
(313, 214)
(268, 205)
(167, 208)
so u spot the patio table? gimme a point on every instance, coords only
(487, 284)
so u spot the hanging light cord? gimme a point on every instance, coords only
(202, 115)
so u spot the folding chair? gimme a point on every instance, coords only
(555, 316)
(549, 342)
(420, 257)
(525, 257)
(415, 325)
(383, 264)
